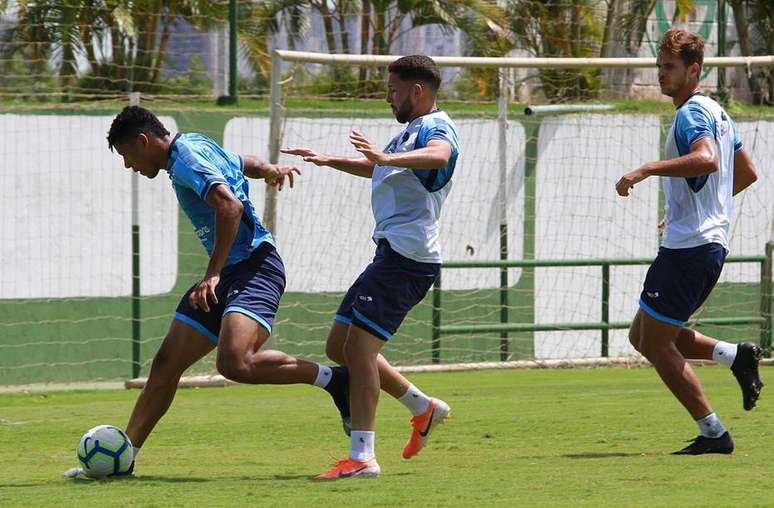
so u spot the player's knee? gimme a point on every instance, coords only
(355, 354)
(653, 350)
(335, 352)
(232, 367)
(163, 370)
(634, 338)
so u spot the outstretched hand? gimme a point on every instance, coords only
(368, 148)
(307, 154)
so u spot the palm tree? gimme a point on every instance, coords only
(547, 28)
(757, 15)
(124, 41)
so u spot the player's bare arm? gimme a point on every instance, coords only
(228, 214)
(744, 171)
(435, 155)
(274, 174)
(702, 160)
(359, 167)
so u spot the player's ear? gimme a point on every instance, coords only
(143, 139)
(695, 67)
(417, 90)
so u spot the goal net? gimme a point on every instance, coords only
(536, 189)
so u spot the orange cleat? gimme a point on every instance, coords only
(350, 468)
(437, 412)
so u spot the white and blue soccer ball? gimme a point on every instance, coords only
(105, 451)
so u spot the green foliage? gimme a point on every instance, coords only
(22, 79)
(194, 81)
(546, 28)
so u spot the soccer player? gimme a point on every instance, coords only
(706, 165)
(410, 178)
(234, 304)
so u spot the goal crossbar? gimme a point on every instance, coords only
(523, 62)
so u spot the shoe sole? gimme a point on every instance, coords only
(364, 475)
(749, 400)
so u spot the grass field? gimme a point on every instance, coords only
(517, 438)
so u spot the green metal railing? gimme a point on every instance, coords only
(605, 325)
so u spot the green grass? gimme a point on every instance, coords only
(517, 438)
(322, 107)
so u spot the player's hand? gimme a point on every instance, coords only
(368, 148)
(307, 154)
(280, 173)
(204, 292)
(628, 180)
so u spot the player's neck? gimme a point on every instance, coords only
(685, 94)
(164, 146)
(424, 110)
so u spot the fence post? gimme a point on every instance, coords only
(232, 51)
(766, 267)
(502, 122)
(605, 308)
(436, 344)
(134, 100)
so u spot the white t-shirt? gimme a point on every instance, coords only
(698, 209)
(407, 202)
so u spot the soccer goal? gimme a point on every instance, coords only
(544, 263)
(543, 260)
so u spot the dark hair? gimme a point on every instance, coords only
(132, 121)
(417, 67)
(688, 46)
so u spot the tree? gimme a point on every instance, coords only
(123, 41)
(551, 28)
(756, 16)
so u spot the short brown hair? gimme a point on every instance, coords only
(417, 67)
(687, 45)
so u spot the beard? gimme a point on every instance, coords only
(403, 111)
(674, 86)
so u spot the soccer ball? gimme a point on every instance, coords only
(105, 451)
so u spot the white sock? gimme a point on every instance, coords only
(710, 426)
(416, 401)
(362, 445)
(324, 376)
(724, 353)
(135, 452)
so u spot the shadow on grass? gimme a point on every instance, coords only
(603, 455)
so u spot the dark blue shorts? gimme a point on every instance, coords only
(252, 287)
(679, 281)
(386, 291)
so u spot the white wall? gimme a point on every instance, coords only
(66, 221)
(325, 223)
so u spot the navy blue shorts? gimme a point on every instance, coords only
(679, 280)
(252, 287)
(386, 291)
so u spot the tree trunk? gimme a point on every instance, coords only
(162, 52)
(743, 33)
(365, 29)
(610, 23)
(327, 18)
(642, 26)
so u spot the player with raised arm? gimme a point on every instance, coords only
(706, 165)
(234, 304)
(410, 178)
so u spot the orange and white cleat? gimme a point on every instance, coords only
(350, 468)
(437, 412)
